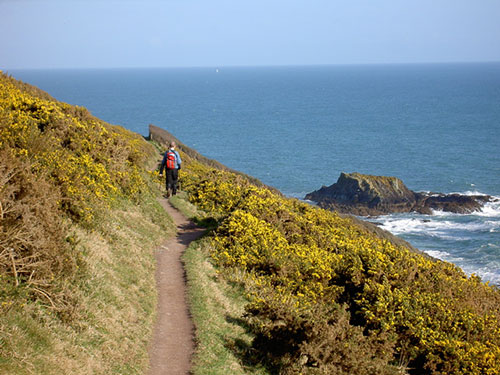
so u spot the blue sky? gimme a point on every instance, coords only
(180, 33)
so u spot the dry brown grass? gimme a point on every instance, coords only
(110, 330)
(33, 250)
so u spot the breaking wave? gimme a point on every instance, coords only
(470, 241)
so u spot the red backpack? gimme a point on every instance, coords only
(170, 159)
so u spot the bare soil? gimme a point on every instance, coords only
(172, 345)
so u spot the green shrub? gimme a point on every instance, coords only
(328, 297)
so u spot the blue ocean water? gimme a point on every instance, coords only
(435, 126)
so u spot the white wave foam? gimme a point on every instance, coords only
(443, 255)
(447, 257)
(471, 193)
(443, 213)
(435, 227)
(474, 237)
(490, 209)
(494, 224)
(468, 193)
(487, 272)
(474, 257)
(492, 277)
(399, 226)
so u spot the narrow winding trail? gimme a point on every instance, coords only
(172, 344)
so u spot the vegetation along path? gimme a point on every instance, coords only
(172, 344)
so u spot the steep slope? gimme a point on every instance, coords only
(78, 225)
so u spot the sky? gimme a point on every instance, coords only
(214, 33)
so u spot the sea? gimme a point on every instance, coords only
(435, 126)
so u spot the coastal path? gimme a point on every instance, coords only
(172, 344)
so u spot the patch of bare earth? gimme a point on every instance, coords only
(172, 345)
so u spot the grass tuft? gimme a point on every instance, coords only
(217, 307)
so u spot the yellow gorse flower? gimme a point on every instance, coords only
(92, 162)
(301, 265)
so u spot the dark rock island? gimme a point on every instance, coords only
(366, 195)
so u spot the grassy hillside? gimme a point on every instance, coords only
(78, 225)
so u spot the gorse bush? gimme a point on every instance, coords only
(84, 156)
(58, 164)
(33, 252)
(328, 297)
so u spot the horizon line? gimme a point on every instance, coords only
(255, 66)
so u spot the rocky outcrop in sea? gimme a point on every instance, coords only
(367, 195)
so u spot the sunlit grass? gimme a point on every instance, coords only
(115, 313)
(223, 339)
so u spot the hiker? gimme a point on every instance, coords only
(172, 163)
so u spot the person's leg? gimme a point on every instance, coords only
(170, 182)
(175, 180)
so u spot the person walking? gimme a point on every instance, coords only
(171, 163)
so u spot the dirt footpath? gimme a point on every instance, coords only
(172, 345)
